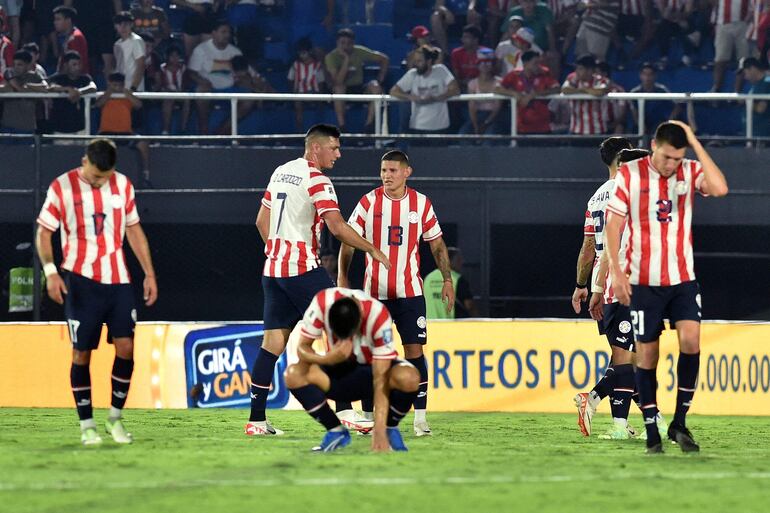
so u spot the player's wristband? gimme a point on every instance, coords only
(579, 286)
(49, 269)
(597, 289)
(448, 280)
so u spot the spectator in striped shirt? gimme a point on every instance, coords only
(306, 76)
(730, 38)
(595, 33)
(69, 37)
(655, 197)
(586, 116)
(173, 79)
(395, 218)
(94, 208)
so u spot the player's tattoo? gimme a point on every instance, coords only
(441, 256)
(585, 264)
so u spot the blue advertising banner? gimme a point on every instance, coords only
(217, 367)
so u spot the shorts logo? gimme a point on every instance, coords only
(117, 201)
(697, 301)
(413, 217)
(624, 327)
(133, 314)
(421, 322)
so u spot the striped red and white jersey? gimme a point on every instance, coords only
(587, 117)
(728, 11)
(632, 7)
(558, 7)
(93, 224)
(757, 11)
(395, 227)
(659, 216)
(298, 195)
(613, 110)
(6, 56)
(306, 77)
(374, 340)
(172, 79)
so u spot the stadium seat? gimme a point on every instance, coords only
(277, 51)
(378, 36)
(383, 11)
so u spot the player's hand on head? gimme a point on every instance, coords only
(150, 290)
(56, 288)
(579, 296)
(687, 128)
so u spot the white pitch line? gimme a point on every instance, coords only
(380, 481)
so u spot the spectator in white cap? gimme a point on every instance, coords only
(509, 52)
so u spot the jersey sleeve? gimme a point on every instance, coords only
(698, 176)
(322, 193)
(132, 213)
(620, 199)
(312, 322)
(382, 337)
(357, 219)
(588, 224)
(267, 200)
(431, 229)
(51, 213)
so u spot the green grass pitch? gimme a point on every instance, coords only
(199, 460)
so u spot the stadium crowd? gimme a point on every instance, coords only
(524, 49)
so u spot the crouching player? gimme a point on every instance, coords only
(360, 363)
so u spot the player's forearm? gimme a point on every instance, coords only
(141, 248)
(612, 231)
(601, 274)
(44, 245)
(585, 259)
(347, 235)
(716, 183)
(263, 223)
(305, 352)
(380, 392)
(343, 262)
(441, 256)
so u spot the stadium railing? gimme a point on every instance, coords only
(381, 128)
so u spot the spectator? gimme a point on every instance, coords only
(655, 111)
(565, 22)
(210, 67)
(755, 72)
(151, 19)
(761, 29)
(172, 78)
(509, 52)
(129, 51)
(440, 20)
(95, 18)
(69, 37)
(67, 114)
(678, 20)
(197, 23)
(596, 29)
(12, 10)
(613, 111)
(635, 23)
(20, 116)
(34, 51)
(489, 16)
(345, 66)
(246, 80)
(464, 59)
(117, 117)
(539, 18)
(152, 62)
(730, 38)
(7, 50)
(38, 26)
(464, 305)
(484, 115)
(533, 80)
(419, 35)
(244, 20)
(306, 76)
(427, 86)
(586, 115)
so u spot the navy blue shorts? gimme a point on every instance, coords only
(409, 317)
(616, 326)
(286, 299)
(89, 304)
(650, 305)
(352, 381)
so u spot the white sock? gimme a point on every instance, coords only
(115, 413)
(419, 416)
(88, 423)
(368, 415)
(622, 422)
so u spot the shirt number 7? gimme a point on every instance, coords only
(281, 196)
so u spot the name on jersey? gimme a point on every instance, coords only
(287, 178)
(602, 196)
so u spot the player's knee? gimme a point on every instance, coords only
(81, 357)
(295, 376)
(621, 356)
(689, 345)
(405, 378)
(412, 351)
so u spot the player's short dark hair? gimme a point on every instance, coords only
(31, 47)
(239, 63)
(529, 55)
(322, 130)
(473, 30)
(344, 317)
(346, 32)
(396, 156)
(610, 147)
(23, 55)
(123, 17)
(669, 133)
(116, 77)
(70, 55)
(102, 153)
(632, 154)
(67, 12)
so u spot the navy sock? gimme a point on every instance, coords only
(80, 379)
(400, 403)
(624, 388)
(605, 385)
(340, 406)
(261, 377)
(421, 402)
(367, 404)
(313, 400)
(121, 381)
(686, 376)
(646, 382)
